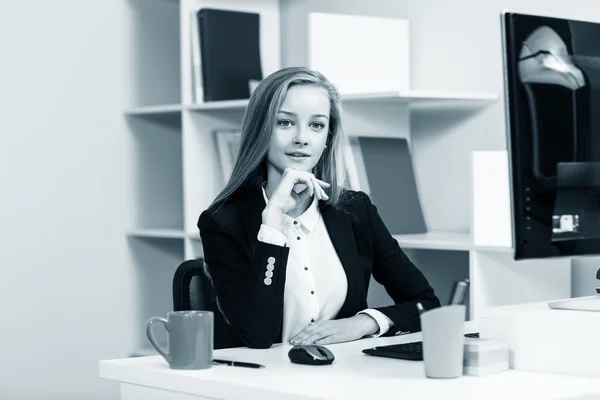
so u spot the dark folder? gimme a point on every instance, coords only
(389, 169)
(229, 53)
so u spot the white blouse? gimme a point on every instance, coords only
(315, 283)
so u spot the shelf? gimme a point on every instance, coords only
(417, 98)
(159, 233)
(169, 114)
(222, 105)
(422, 96)
(162, 233)
(456, 241)
(155, 110)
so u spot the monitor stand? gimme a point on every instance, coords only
(589, 303)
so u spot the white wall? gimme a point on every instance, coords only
(67, 159)
(455, 45)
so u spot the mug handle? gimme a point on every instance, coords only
(152, 339)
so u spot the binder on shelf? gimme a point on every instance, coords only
(229, 53)
(196, 76)
(392, 183)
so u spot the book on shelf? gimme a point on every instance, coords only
(226, 60)
(228, 147)
(392, 184)
(197, 92)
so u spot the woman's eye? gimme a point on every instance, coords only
(284, 122)
(318, 125)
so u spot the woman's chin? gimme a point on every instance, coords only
(302, 165)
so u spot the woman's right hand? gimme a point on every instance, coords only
(285, 199)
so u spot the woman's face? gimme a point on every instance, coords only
(300, 131)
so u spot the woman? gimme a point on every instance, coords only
(290, 249)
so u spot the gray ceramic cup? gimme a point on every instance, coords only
(190, 339)
(443, 341)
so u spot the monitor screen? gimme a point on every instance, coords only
(552, 92)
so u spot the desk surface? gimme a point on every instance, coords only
(353, 375)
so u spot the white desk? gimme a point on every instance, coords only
(353, 375)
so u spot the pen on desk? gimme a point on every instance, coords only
(420, 307)
(238, 363)
(459, 292)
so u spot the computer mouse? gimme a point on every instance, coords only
(310, 354)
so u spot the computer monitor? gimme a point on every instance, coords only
(552, 93)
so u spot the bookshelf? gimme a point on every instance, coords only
(429, 100)
(178, 173)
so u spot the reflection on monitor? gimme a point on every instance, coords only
(552, 76)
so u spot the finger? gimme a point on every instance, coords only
(310, 184)
(323, 183)
(307, 191)
(327, 340)
(303, 178)
(316, 332)
(324, 332)
(319, 193)
(304, 333)
(300, 335)
(288, 180)
(322, 186)
(324, 195)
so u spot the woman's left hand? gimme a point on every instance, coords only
(336, 331)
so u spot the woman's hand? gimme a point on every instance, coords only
(285, 199)
(336, 331)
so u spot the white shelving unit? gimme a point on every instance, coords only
(179, 176)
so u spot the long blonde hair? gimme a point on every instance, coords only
(257, 127)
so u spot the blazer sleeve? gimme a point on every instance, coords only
(402, 280)
(249, 286)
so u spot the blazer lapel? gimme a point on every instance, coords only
(341, 233)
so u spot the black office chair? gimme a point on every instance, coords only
(193, 290)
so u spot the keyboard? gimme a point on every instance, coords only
(412, 351)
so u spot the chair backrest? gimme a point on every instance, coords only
(193, 290)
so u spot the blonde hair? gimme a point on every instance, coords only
(259, 119)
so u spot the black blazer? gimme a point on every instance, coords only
(237, 260)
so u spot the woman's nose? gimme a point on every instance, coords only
(300, 142)
(301, 137)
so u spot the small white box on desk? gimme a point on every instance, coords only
(545, 340)
(483, 357)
